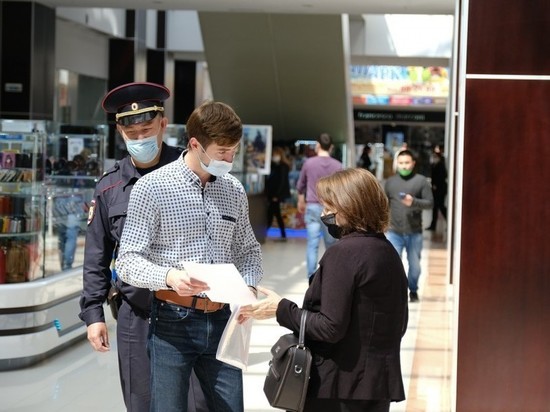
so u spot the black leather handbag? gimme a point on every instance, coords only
(287, 379)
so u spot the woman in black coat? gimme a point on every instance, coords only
(358, 300)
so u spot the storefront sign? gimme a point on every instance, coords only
(399, 85)
(399, 116)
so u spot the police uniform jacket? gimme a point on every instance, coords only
(105, 223)
(358, 300)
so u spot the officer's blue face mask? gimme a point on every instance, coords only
(143, 150)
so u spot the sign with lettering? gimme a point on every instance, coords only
(399, 85)
(399, 116)
(13, 87)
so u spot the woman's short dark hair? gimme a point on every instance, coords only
(356, 195)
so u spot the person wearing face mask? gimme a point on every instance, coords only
(357, 302)
(277, 188)
(409, 194)
(140, 120)
(191, 210)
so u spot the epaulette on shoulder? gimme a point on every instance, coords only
(115, 168)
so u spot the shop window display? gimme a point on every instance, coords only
(75, 163)
(21, 215)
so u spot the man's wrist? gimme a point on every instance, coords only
(169, 278)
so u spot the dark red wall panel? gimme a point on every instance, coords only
(504, 298)
(504, 311)
(509, 37)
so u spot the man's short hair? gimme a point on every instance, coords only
(406, 152)
(215, 122)
(325, 141)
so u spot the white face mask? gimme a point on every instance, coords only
(143, 150)
(215, 167)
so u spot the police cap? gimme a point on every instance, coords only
(135, 102)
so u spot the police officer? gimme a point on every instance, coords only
(141, 122)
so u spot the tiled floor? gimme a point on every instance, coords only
(79, 379)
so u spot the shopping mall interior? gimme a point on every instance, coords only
(442, 75)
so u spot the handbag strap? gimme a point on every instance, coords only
(302, 336)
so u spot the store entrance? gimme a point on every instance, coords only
(420, 138)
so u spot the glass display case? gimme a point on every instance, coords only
(21, 199)
(73, 168)
(46, 183)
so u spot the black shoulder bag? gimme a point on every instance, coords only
(287, 379)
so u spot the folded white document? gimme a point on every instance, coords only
(225, 282)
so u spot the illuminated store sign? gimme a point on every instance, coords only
(399, 85)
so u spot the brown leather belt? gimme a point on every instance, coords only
(203, 304)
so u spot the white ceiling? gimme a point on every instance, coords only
(353, 7)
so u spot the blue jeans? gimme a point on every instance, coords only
(412, 243)
(315, 228)
(67, 238)
(181, 339)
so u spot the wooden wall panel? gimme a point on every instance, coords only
(509, 37)
(504, 303)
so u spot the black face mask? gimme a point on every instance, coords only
(330, 222)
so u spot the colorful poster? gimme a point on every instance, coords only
(400, 85)
(256, 145)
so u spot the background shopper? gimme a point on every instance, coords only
(277, 188)
(313, 169)
(409, 194)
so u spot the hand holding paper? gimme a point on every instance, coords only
(184, 285)
(226, 285)
(262, 309)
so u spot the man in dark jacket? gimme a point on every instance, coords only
(141, 122)
(439, 188)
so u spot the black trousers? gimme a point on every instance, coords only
(439, 205)
(274, 210)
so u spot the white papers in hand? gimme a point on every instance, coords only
(224, 280)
